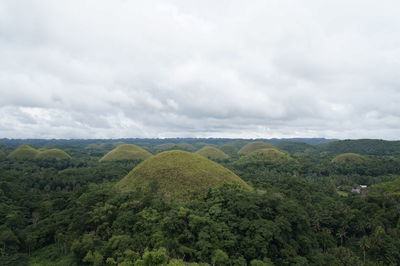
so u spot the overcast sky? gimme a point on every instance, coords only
(190, 68)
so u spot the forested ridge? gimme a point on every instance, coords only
(309, 208)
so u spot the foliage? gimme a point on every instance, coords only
(69, 212)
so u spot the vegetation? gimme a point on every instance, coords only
(53, 154)
(265, 156)
(348, 158)
(23, 152)
(212, 153)
(294, 147)
(253, 146)
(2, 154)
(126, 152)
(174, 146)
(178, 175)
(303, 210)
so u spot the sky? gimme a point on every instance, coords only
(189, 68)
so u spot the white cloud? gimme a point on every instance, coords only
(199, 68)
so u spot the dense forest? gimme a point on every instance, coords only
(305, 202)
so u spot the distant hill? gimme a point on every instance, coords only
(363, 146)
(265, 156)
(53, 154)
(212, 153)
(126, 152)
(294, 147)
(348, 158)
(178, 175)
(253, 146)
(174, 146)
(23, 152)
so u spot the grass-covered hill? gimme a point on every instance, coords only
(53, 154)
(265, 156)
(174, 146)
(229, 148)
(23, 152)
(348, 158)
(253, 146)
(2, 154)
(294, 147)
(178, 175)
(212, 153)
(126, 152)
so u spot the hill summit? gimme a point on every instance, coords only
(253, 146)
(53, 154)
(126, 152)
(212, 153)
(265, 156)
(348, 158)
(178, 175)
(23, 152)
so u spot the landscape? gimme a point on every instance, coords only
(199, 133)
(199, 202)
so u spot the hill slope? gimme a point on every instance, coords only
(212, 153)
(126, 152)
(253, 146)
(348, 158)
(23, 152)
(53, 154)
(265, 156)
(179, 175)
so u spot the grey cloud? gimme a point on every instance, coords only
(190, 68)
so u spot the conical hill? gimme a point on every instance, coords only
(126, 152)
(212, 153)
(253, 146)
(178, 175)
(53, 154)
(348, 158)
(23, 152)
(265, 156)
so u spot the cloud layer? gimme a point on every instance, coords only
(111, 69)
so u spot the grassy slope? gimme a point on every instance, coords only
(174, 146)
(180, 175)
(253, 146)
(23, 152)
(213, 153)
(269, 155)
(348, 158)
(53, 154)
(126, 152)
